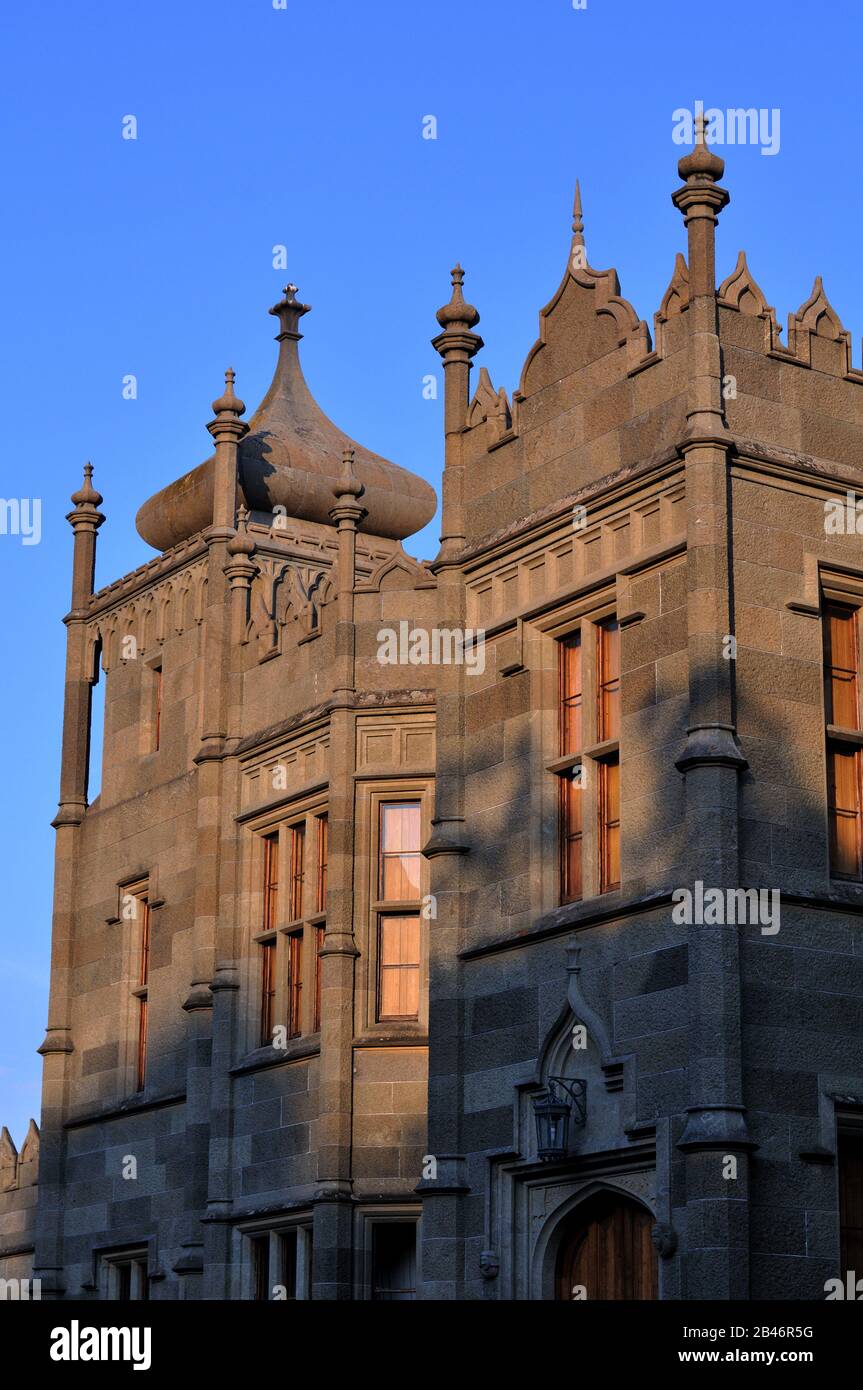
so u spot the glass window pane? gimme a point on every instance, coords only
(608, 661)
(844, 809)
(400, 859)
(394, 1261)
(298, 850)
(399, 961)
(841, 666)
(609, 824)
(271, 880)
(323, 857)
(295, 984)
(571, 694)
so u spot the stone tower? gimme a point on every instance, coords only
(487, 927)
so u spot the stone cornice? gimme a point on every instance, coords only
(547, 518)
(145, 575)
(133, 1106)
(563, 920)
(756, 456)
(360, 700)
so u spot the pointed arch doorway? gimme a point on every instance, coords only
(605, 1248)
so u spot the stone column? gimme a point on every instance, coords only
(227, 430)
(85, 521)
(333, 1260)
(442, 1227)
(716, 1249)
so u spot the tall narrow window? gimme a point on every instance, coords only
(295, 984)
(400, 851)
(125, 1279)
(609, 825)
(399, 972)
(268, 990)
(323, 833)
(157, 698)
(320, 934)
(288, 1242)
(143, 912)
(281, 1263)
(95, 728)
(571, 737)
(271, 881)
(268, 947)
(842, 704)
(608, 727)
(298, 850)
(851, 1202)
(399, 932)
(322, 860)
(292, 931)
(608, 679)
(260, 1268)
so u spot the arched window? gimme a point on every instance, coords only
(605, 1251)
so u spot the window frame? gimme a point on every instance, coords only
(137, 950)
(600, 750)
(152, 703)
(113, 1265)
(295, 1003)
(842, 739)
(369, 906)
(254, 1236)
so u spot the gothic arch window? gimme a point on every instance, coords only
(604, 1251)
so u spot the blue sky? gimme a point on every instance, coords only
(303, 127)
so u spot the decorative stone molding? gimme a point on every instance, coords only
(674, 302)
(281, 592)
(489, 405)
(816, 336)
(19, 1170)
(741, 293)
(166, 610)
(398, 564)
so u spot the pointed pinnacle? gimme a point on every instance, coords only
(577, 218)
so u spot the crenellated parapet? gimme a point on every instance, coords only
(19, 1170)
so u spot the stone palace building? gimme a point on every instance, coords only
(405, 951)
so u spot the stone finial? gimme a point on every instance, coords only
(701, 164)
(349, 484)
(701, 199)
(577, 218)
(229, 403)
(242, 543)
(457, 314)
(87, 496)
(289, 312)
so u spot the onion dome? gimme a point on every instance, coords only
(291, 457)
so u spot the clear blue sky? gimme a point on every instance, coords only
(303, 126)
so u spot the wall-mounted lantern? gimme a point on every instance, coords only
(553, 1110)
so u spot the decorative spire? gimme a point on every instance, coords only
(242, 543)
(701, 164)
(349, 484)
(577, 219)
(457, 314)
(701, 199)
(289, 312)
(229, 403)
(87, 496)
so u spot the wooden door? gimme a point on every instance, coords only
(607, 1251)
